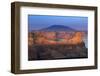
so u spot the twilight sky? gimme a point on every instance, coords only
(36, 22)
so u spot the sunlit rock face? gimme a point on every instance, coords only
(57, 42)
(44, 45)
(77, 38)
(55, 37)
(56, 34)
(30, 39)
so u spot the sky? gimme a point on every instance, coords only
(36, 22)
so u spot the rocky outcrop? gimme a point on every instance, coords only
(50, 52)
(55, 38)
(56, 42)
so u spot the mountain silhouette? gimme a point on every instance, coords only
(57, 28)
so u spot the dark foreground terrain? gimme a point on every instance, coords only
(51, 52)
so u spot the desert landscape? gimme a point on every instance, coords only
(57, 42)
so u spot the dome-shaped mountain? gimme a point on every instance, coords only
(57, 28)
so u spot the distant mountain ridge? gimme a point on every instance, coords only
(57, 28)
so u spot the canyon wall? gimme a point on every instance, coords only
(55, 37)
